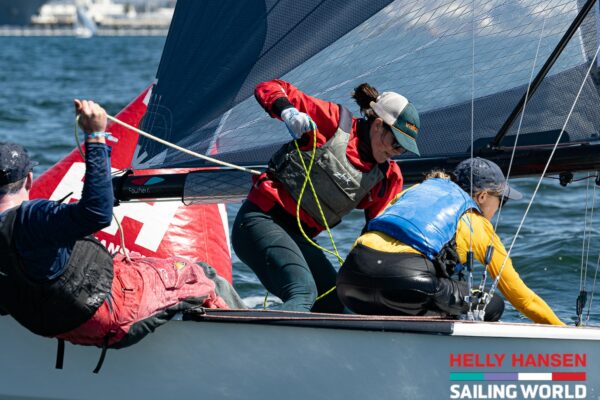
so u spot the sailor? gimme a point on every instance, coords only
(406, 262)
(58, 281)
(352, 169)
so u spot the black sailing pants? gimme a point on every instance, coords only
(375, 282)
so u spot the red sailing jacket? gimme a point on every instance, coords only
(266, 193)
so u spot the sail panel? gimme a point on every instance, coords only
(440, 54)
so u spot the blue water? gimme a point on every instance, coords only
(39, 77)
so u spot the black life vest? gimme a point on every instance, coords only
(339, 185)
(62, 304)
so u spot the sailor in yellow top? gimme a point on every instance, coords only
(404, 263)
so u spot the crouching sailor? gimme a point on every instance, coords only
(404, 264)
(58, 281)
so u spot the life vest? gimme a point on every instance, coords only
(62, 304)
(339, 185)
(426, 218)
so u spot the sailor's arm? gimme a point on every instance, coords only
(510, 285)
(56, 224)
(277, 96)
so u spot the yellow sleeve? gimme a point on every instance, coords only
(511, 285)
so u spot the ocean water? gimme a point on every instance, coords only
(39, 77)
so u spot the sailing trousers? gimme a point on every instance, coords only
(283, 260)
(146, 293)
(376, 282)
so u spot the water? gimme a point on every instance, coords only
(39, 77)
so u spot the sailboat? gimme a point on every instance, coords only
(85, 27)
(473, 69)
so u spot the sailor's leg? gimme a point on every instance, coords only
(223, 287)
(450, 298)
(375, 282)
(323, 273)
(269, 250)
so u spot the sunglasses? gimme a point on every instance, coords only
(503, 199)
(395, 145)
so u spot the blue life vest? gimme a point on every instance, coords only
(426, 216)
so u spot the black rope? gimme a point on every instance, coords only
(102, 354)
(60, 354)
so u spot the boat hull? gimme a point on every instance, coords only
(263, 356)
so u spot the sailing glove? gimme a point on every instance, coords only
(297, 122)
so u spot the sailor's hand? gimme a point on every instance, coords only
(92, 117)
(298, 123)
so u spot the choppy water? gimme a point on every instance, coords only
(39, 77)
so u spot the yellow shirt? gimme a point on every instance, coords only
(511, 285)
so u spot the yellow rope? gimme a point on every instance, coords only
(308, 181)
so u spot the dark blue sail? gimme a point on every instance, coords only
(217, 51)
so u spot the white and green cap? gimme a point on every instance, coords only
(396, 111)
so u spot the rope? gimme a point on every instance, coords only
(181, 149)
(307, 180)
(495, 284)
(470, 315)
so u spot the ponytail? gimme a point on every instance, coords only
(364, 94)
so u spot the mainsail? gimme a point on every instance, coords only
(464, 64)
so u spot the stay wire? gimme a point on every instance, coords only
(585, 224)
(470, 252)
(495, 284)
(512, 156)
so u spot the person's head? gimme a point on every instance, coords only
(393, 122)
(16, 168)
(488, 185)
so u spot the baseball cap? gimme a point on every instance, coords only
(486, 175)
(14, 163)
(396, 111)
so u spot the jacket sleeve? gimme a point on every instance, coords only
(383, 193)
(511, 285)
(277, 95)
(43, 222)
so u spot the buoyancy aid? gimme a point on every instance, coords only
(339, 185)
(426, 218)
(62, 304)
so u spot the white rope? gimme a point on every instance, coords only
(181, 149)
(589, 236)
(469, 260)
(495, 284)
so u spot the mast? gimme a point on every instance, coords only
(543, 72)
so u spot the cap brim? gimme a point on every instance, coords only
(512, 193)
(405, 141)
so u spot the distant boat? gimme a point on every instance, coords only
(85, 27)
(18, 12)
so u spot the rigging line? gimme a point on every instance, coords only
(181, 149)
(470, 252)
(495, 284)
(587, 318)
(585, 223)
(512, 156)
(564, 40)
(589, 236)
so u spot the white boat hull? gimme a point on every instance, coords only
(262, 355)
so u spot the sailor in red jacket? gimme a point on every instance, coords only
(352, 169)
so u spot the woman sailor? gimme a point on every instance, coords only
(352, 169)
(402, 264)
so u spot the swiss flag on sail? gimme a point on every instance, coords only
(157, 229)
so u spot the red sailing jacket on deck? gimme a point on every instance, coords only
(267, 193)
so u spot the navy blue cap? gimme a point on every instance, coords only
(487, 175)
(14, 163)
